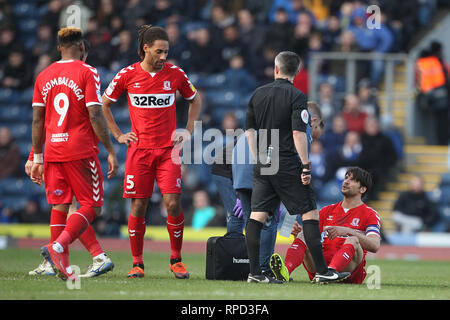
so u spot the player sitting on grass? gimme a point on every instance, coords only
(349, 229)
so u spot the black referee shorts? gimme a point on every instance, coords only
(285, 186)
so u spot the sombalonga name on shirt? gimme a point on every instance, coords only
(62, 81)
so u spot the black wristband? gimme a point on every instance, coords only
(306, 166)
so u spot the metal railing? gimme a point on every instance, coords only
(391, 60)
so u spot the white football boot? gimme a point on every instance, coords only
(98, 267)
(44, 269)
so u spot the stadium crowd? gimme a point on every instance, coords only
(227, 49)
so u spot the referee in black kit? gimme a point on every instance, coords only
(277, 118)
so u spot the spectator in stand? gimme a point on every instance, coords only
(8, 44)
(124, 53)
(414, 211)
(347, 155)
(105, 13)
(403, 21)
(32, 213)
(301, 80)
(9, 154)
(378, 154)
(331, 32)
(329, 105)
(346, 43)
(100, 39)
(345, 12)
(221, 18)
(300, 40)
(368, 98)
(352, 113)
(279, 33)
(237, 78)
(45, 42)
(6, 215)
(178, 44)
(252, 35)
(231, 46)
(6, 15)
(51, 17)
(292, 7)
(43, 62)
(334, 136)
(17, 73)
(204, 54)
(317, 156)
(320, 9)
(263, 68)
(203, 211)
(377, 40)
(134, 14)
(160, 10)
(434, 90)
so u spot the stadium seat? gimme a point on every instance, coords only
(11, 114)
(18, 186)
(330, 192)
(24, 148)
(25, 9)
(20, 131)
(26, 96)
(223, 99)
(445, 179)
(14, 202)
(397, 141)
(28, 25)
(8, 96)
(213, 81)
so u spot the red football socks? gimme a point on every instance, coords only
(57, 223)
(175, 227)
(89, 241)
(136, 232)
(76, 224)
(295, 255)
(343, 257)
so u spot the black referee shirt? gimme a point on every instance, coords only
(279, 105)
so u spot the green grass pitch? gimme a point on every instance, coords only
(428, 280)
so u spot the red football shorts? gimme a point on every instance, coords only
(357, 277)
(143, 166)
(80, 178)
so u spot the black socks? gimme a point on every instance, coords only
(312, 236)
(252, 239)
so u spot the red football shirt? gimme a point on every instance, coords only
(151, 101)
(362, 218)
(66, 89)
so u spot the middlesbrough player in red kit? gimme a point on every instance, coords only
(350, 229)
(67, 115)
(101, 263)
(151, 87)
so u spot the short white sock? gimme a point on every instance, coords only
(57, 247)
